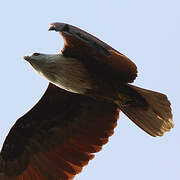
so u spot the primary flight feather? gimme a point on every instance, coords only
(88, 86)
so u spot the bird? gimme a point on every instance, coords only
(89, 84)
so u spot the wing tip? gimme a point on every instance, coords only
(56, 26)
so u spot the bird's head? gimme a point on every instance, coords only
(39, 60)
(36, 59)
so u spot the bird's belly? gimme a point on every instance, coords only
(69, 75)
(74, 86)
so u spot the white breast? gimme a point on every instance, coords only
(67, 73)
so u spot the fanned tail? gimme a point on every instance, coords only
(149, 110)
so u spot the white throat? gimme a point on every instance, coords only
(66, 73)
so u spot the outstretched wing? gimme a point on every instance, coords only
(57, 137)
(98, 57)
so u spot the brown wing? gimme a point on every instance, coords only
(99, 58)
(57, 137)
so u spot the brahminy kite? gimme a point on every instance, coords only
(88, 86)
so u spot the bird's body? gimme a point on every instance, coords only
(89, 85)
(65, 72)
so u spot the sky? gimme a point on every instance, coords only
(148, 32)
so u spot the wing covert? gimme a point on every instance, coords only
(57, 137)
(95, 54)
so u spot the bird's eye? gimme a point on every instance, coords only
(36, 54)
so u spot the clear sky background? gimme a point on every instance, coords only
(148, 32)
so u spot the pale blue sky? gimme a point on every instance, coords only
(148, 32)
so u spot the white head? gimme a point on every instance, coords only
(39, 60)
(65, 72)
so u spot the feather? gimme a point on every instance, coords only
(155, 116)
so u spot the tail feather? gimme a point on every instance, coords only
(154, 116)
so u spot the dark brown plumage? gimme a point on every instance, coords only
(55, 143)
(61, 133)
(98, 57)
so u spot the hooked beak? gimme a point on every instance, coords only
(27, 58)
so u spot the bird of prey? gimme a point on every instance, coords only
(89, 83)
